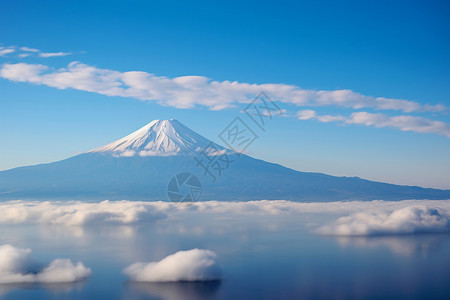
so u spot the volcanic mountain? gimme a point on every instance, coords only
(140, 166)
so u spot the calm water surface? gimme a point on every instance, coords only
(273, 257)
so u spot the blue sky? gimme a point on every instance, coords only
(365, 84)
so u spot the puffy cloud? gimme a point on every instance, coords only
(191, 265)
(15, 261)
(63, 270)
(306, 114)
(407, 220)
(189, 91)
(378, 120)
(54, 54)
(12, 260)
(22, 72)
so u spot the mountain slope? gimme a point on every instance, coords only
(139, 167)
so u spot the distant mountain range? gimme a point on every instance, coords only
(140, 165)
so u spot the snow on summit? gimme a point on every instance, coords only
(158, 138)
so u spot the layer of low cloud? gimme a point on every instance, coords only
(14, 264)
(407, 220)
(379, 120)
(191, 265)
(78, 213)
(190, 91)
(352, 217)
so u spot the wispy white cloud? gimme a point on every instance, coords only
(26, 49)
(191, 265)
(23, 52)
(189, 91)
(404, 123)
(379, 120)
(54, 54)
(6, 50)
(15, 261)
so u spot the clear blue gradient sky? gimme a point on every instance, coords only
(391, 49)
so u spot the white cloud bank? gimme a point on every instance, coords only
(378, 120)
(14, 263)
(189, 91)
(407, 220)
(78, 213)
(353, 217)
(191, 265)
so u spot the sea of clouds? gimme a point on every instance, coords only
(341, 218)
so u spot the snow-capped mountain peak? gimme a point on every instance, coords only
(158, 138)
